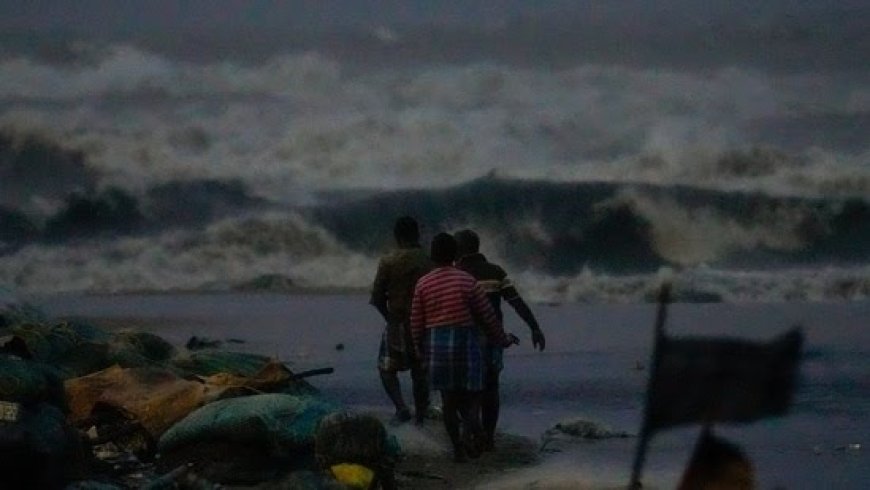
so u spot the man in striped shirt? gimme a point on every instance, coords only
(447, 309)
(497, 286)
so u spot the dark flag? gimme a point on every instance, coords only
(708, 380)
(721, 380)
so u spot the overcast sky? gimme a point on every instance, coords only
(150, 14)
(795, 34)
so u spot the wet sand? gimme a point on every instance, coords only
(589, 370)
(427, 459)
(433, 468)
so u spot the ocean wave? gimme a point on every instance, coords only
(113, 212)
(37, 172)
(619, 228)
(224, 254)
(301, 121)
(702, 285)
(287, 252)
(289, 256)
(559, 229)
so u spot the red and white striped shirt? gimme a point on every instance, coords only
(448, 296)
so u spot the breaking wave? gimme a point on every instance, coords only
(561, 229)
(225, 254)
(129, 169)
(301, 121)
(562, 242)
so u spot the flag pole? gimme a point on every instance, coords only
(645, 431)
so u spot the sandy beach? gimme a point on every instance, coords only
(592, 369)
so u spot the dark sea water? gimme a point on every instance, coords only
(589, 370)
(200, 146)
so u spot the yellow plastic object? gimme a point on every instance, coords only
(353, 475)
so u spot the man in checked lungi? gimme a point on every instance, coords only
(447, 309)
(398, 272)
(497, 286)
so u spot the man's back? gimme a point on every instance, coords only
(491, 278)
(497, 286)
(398, 272)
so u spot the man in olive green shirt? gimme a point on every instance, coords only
(393, 289)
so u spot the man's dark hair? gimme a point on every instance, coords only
(406, 230)
(467, 242)
(443, 249)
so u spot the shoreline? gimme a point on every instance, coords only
(426, 462)
(589, 371)
(319, 292)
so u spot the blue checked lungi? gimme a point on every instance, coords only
(493, 355)
(454, 358)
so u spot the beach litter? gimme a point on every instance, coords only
(86, 408)
(577, 430)
(39, 448)
(357, 449)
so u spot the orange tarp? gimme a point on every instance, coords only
(154, 398)
(158, 398)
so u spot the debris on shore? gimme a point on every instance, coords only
(577, 430)
(88, 408)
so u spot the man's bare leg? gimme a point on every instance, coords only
(390, 380)
(490, 406)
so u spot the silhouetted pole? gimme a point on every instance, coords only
(640, 454)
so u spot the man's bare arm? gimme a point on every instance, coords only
(524, 312)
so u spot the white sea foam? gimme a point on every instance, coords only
(702, 284)
(304, 121)
(696, 235)
(234, 251)
(225, 254)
